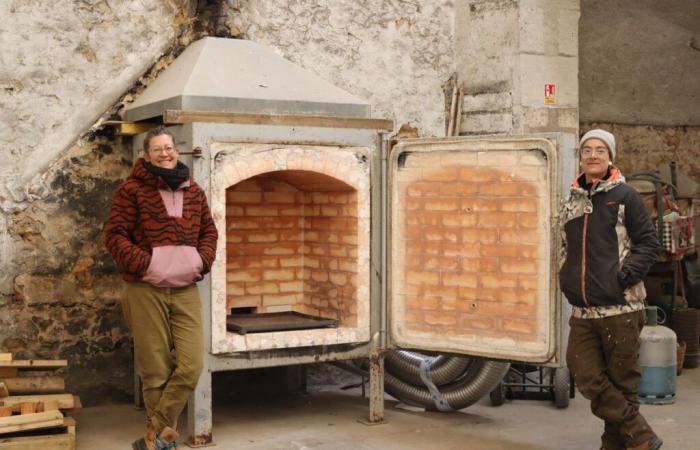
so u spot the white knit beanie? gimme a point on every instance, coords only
(605, 136)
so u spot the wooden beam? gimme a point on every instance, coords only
(5, 356)
(176, 116)
(25, 422)
(35, 364)
(133, 128)
(64, 441)
(129, 128)
(8, 372)
(65, 401)
(35, 385)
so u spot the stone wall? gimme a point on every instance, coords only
(67, 65)
(647, 148)
(65, 68)
(641, 68)
(63, 300)
(395, 54)
(508, 51)
(64, 64)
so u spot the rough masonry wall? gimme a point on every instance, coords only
(64, 291)
(64, 65)
(637, 80)
(642, 69)
(647, 148)
(395, 54)
(508, 51)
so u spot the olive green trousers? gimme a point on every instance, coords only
(167, 327)
(603, 357)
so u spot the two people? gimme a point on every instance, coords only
(608, 246)
(161, 234)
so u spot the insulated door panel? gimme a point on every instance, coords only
(470, 247)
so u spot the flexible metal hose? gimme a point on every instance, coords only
(406, 366)
(460, 381)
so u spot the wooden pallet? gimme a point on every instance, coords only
(62, 439)
(32, 406)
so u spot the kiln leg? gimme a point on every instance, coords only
(199, 413)
(376, 388)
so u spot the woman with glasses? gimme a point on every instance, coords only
(162, 236)
(608, 246)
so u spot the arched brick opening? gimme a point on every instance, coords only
(291, 245)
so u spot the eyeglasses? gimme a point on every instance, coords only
(598, 151)
(166, 149)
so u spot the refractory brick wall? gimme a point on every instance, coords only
(472, 244)
(330, 255)
(291, 244)
(263, 246)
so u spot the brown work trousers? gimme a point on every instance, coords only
(168, 344)
(603, 357)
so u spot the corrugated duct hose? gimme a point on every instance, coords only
(444, 383)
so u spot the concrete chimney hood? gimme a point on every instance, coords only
(233, 75)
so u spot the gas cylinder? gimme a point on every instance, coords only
(657, 358)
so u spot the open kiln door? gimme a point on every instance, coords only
(471, 247)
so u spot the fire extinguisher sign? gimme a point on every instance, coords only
(549, 92)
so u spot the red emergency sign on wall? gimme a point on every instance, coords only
(549, 90)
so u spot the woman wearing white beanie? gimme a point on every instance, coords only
(608, 246)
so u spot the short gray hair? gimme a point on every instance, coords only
(157, 131)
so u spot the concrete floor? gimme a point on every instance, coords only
(327, 418)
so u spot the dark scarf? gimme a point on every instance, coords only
(172, 177)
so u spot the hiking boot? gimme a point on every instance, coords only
(652, 444)
(162, 445)
(148, 442)
(608, 446)
(141, 444)
(165, 440)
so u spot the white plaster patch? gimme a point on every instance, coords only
(63, 65)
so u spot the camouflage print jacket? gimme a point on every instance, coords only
(608, 246)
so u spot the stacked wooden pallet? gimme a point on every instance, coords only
(33, 404)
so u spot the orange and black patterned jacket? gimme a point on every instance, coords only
(139, 222)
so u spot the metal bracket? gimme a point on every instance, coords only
(196, 152)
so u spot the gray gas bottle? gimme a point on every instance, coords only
(657, 358)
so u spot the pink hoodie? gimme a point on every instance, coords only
(174, 265)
